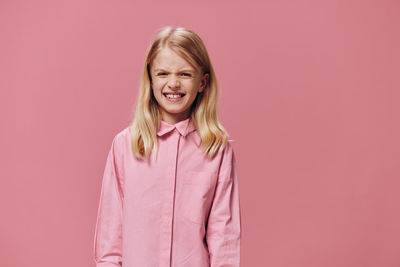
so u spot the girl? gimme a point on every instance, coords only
(176, 205)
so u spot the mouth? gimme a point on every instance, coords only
(174, 95)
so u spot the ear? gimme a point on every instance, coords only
(204, 82)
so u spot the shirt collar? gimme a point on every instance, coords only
(181, 126)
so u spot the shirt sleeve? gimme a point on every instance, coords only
(107, 250)
(224, 222)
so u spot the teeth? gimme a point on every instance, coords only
(173, 95)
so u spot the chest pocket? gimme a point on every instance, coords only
(198, 190)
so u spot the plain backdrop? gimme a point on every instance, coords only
(309, 91)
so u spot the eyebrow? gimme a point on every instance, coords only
(189, 70)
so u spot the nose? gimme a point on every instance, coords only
(173, 82)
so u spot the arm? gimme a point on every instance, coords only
(224, 223)
(108, 234)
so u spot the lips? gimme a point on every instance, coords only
(174, 97)
(174, 93)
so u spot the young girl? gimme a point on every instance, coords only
(176, 205)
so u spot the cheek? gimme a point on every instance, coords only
(193, 96)
(194, 89)
(157, 89)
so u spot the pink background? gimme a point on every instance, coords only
(308, 89)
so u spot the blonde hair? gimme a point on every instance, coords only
(203, 111)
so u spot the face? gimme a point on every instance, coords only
(175, 84)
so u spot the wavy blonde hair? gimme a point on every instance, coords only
(203, 113)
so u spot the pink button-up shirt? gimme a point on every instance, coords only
(180, 210)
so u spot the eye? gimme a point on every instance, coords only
(186, 74)
(161, 73)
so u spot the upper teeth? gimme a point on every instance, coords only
(173, 95)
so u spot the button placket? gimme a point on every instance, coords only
(166, 245)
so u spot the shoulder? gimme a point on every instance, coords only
(229, 148)
(228, 152)
(121, 139)
(122, 134)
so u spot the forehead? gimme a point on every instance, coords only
(168, 59)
